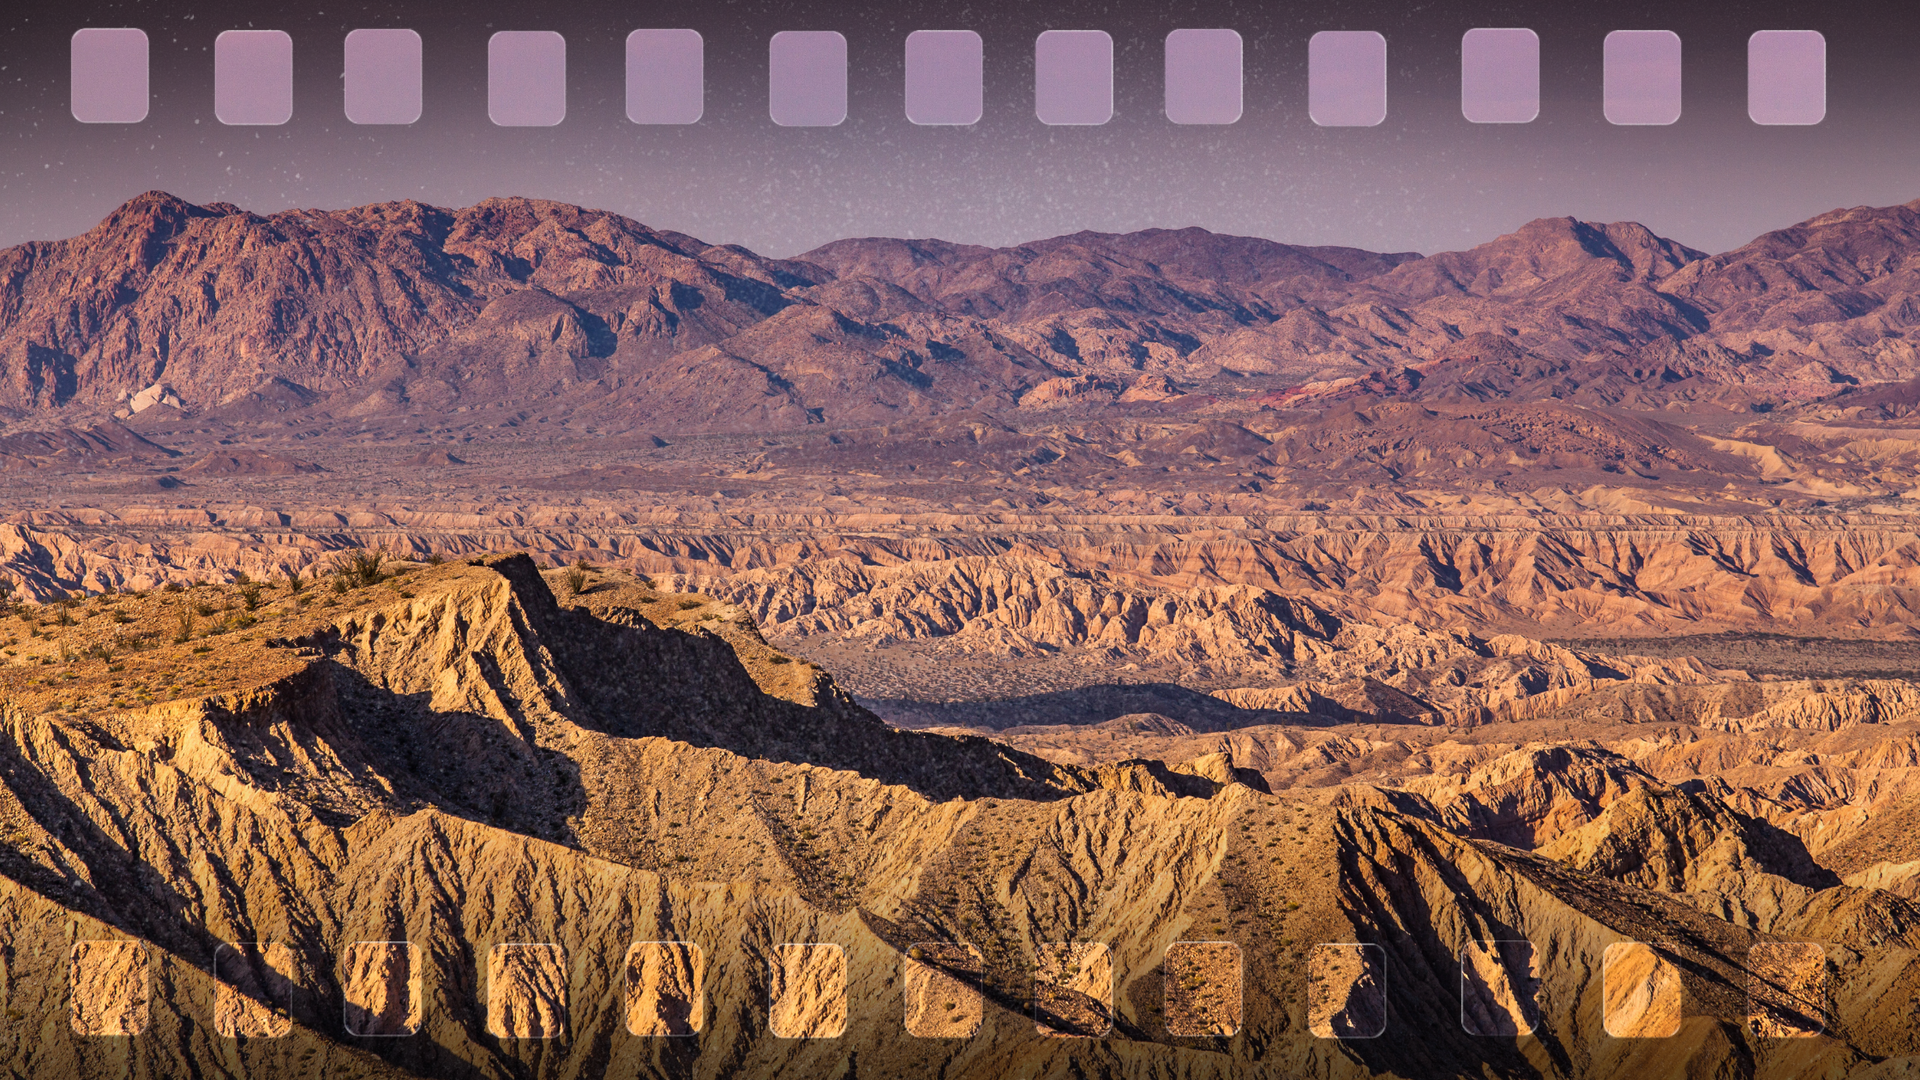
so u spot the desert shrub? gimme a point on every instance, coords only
(183, 626)
(689, 605)
(65, 618)
(340, 585)
(365, 566)
(202, 608)
(250, 595)
(171, 586)
(295, 583)
(434, 558)
(576, 577)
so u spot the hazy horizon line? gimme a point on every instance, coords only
(941, 240)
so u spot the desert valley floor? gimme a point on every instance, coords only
(514, 642)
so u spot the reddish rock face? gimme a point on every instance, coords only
(407, 308)
(1205, 691)
(218, 303)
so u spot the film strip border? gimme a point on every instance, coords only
(1073, 77)
(384, 991)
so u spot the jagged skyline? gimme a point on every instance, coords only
(543, 635)
(1424, 180)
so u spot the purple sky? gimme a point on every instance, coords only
(1425, 179)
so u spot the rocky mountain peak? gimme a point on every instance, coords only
(214, 301)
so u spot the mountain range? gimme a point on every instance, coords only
(401, 308)
(1157, 655)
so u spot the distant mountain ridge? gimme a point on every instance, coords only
(407, 308)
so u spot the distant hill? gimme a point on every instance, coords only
(404, 308)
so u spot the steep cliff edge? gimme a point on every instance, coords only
(524, 785)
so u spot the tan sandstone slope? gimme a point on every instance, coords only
(526, 788)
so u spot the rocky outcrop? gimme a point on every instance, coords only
(402, 307)
(1014, 606)
(548, 835)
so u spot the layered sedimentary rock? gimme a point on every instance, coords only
(546, 800)
(1161, 656)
